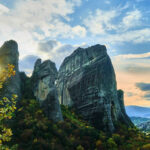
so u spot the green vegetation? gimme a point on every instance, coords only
(26, 87)
(29, 129)
(7, 108)
(33, 131)
(139, 120)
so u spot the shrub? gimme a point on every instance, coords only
(111, 144)
(26, 135)
(146, 147)
(117, 138)
(80, 147)
(7, 108)
(98, 144)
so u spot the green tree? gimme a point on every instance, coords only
(111, 144)
(80, 147)
(7, 108)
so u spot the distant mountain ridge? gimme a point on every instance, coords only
(138, 120)
(138, 111)
(145, 126)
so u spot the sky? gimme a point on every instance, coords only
(52, 29)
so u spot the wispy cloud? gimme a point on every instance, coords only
(31, 21)
(56, 51)
(134, 56)
(146, 88)
(133, 36)
(3, 9)
(133, 73)
(100, 21)
(117, 26)
(147, 96)
(52, 29)
(107, 2)
(132, 19)
(143, 86)
(27, 63)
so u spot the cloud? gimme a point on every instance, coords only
(135, 64)
(107, 2)
(139, 0)
(132, 19)
(143, 86)
(134, 69)
(31, 21)
(31, 14)
(134, 56)
(27, 63)
(46, 16)
(147, 96)
(3, 9)
(65, 48)
(100, 21)
(48, 46)
(52, 49)
(114, 26)
(129, 94)
(79, 31)
(45, 10)
(55, 51)
(134, 36)
(130, 70)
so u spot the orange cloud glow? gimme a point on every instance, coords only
(127, 78)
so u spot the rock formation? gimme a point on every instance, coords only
(44, 89)
(145, 126)
(125, 119)
(9, 55)
(86, 81)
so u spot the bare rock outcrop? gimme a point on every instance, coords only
(44, 89)
(87, 82)
(9, 55)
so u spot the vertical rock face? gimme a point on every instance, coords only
(125, 119)
(44, 89)
(86, 81)
(9, 55)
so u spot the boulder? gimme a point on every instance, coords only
(87, 82)
(9, 55)
(44, 89)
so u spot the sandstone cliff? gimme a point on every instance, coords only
(86, 81)
(44, 89)
(9, 55)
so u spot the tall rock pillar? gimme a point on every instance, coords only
(9, 55)
(44, 89)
